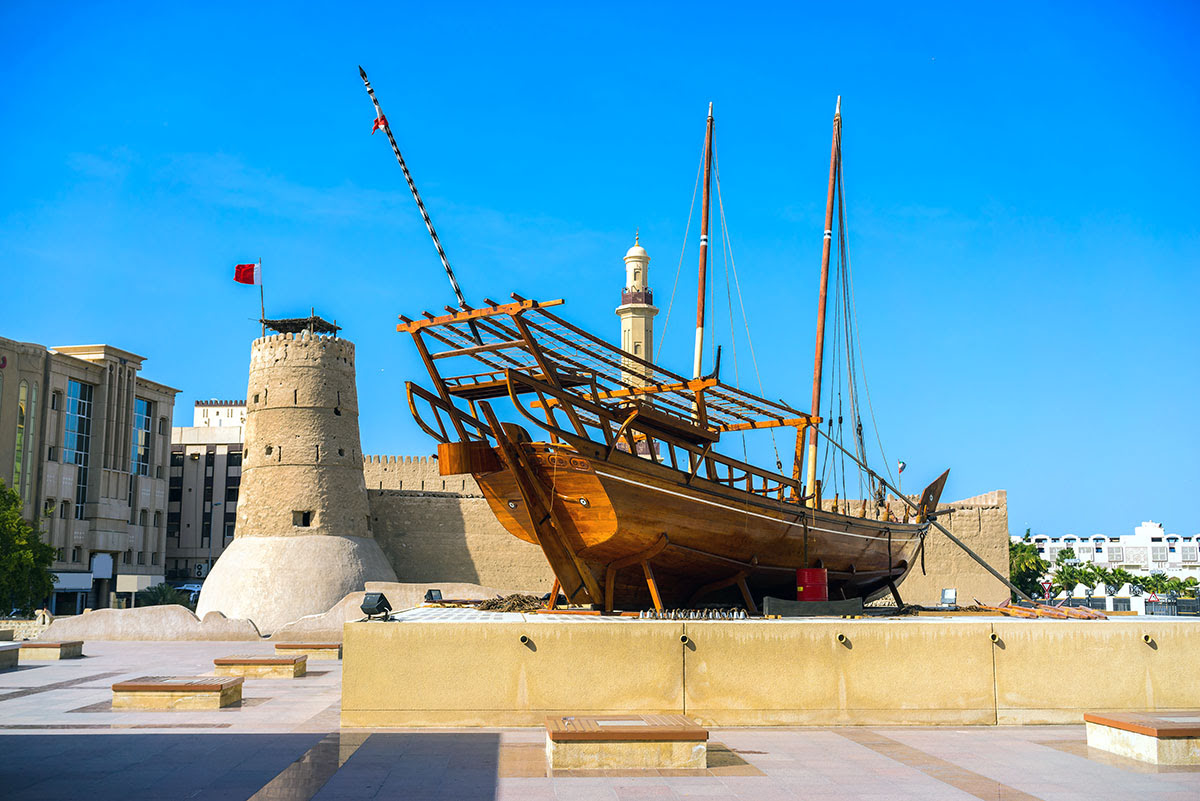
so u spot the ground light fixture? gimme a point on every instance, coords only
(375, 605)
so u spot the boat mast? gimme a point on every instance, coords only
(703, 245)
(834, 159)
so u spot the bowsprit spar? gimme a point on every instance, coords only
(625, 487)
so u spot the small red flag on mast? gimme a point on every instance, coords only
(380, 122)
(248, 273)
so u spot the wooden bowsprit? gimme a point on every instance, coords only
(381, 123)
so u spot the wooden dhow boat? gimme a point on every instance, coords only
(611, 463)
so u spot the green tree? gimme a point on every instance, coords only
(25, 578)
(1026, 567)
(1121, 577)
(162, 595)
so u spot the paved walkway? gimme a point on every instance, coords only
(283, 743)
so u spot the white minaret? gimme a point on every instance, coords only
(637, 312)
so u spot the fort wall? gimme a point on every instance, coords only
(440, 528)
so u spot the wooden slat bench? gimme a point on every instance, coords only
(313, 650)
(177, 692)
(9, 655)
(605, 742)
(280, 666)
(32, 650)
(1163, 738)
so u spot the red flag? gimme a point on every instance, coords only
(380, 122)
(248, 273)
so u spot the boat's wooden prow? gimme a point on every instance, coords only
(931, 496)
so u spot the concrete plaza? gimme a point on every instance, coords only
(283, 742)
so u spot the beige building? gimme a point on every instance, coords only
(205, 478)
(84, 440)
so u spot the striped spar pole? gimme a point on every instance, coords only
(382, 123)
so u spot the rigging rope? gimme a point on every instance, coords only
(662, 334)
(728, 243)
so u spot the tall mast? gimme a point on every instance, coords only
(703, 244)
(834, 163)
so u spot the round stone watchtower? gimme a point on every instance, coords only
(303, 536)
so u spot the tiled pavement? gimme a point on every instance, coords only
(283, 743)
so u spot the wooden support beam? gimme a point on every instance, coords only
(747, 598)
(650, 389)
(712, 587)
(554, 594)
(610, 573)
(653, 585)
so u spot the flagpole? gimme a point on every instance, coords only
(262, 303)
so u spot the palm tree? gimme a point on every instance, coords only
(1121, 577)
(1107, 577)
(1026, 567)
(162, 595)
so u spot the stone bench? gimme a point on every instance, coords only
(37, 650)
(262, 667)
(1163, 738)
(607, 742)
(166, 692)
(9, 655)
(313, 650)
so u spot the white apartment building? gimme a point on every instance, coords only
(1148, 549)
(202, 495)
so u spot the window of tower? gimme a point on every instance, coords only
(302, 519)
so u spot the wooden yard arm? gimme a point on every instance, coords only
(408, 326)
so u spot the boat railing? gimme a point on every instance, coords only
(617, 425)
(441, 411)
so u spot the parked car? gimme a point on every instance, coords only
(193, 590)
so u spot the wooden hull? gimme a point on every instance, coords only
(610, 513)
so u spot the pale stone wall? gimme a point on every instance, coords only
(981, 523)
(439, 528)
(302, 448)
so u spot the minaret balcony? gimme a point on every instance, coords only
(643, 296)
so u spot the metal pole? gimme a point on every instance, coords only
(262, 303)
(834, 159)
(703, 245)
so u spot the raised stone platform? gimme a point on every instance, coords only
(517, 669)
(6, 634)
(167, 692)
(38, 650)
(262, 667)
(9, 655)
(1163, 738)
(313, 650)
(615, 742)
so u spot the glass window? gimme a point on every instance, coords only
(77, 438)
(143, 413)
(141, 557)
(19, 445)
(235, 458)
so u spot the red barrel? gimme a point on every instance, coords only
(812, 584)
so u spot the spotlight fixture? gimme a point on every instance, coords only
(375, 605)
(433, 596)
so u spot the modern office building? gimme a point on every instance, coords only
(84, 441)
(206, 471)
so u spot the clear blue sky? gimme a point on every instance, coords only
(1022, 183)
